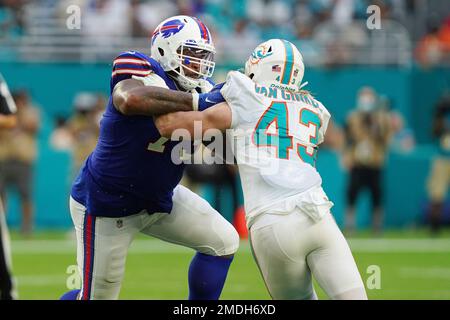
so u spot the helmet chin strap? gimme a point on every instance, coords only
(182, 80)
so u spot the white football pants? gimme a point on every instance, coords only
(102, 243)
(290, 249)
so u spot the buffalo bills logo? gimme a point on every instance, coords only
(168, 29)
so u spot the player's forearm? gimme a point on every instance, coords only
(151, 101)
(168, 123)
(195, 122)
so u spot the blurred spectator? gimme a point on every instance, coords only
(271, 18)
(137, 27)
(434, 48)
(439, 177)
(85, 125)
(11, 17)
(79, 134)
(268, 12)
(18, 153)
(342, 12)
(444, 38)
(303, 19)
(61, 139)
(146, 15)
(368, 134)
(402, 136)
(240, 43)
(103, 21)
(341, 42)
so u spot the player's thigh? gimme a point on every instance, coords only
(280, 253)
(102, 246)
(332, 262)
(194, 223)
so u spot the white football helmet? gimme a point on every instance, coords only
(184, 45)
(276, 61)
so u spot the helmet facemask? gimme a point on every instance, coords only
(192, 64)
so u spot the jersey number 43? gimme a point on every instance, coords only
(278, 113)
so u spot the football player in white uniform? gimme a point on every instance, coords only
(276, 130)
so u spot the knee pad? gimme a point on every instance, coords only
(229, 237)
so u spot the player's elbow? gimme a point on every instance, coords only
(125, 102)
(131, 104)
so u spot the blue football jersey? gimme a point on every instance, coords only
(125, 174)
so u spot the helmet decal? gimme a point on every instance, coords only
(260, 52)
(276, 68)
(203, 30)
(168, 29)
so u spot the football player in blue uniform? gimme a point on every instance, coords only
(130, 183)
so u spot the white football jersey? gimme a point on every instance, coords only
(275, 137)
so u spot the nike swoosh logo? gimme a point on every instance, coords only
(209, 101)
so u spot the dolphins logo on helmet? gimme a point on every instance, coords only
(260, 52)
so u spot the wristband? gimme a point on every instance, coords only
(206, 100)
(195, 98)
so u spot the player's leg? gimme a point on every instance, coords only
(280, 248)
(332, 263)
(102, 246)
(195, 224)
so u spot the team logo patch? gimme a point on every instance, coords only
(168, 29)
(260, 52)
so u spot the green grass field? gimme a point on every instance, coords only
(413, 266)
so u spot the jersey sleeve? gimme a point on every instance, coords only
(129, 64)
(7, 104)
(239, 93)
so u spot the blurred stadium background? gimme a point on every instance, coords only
(61, 77)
